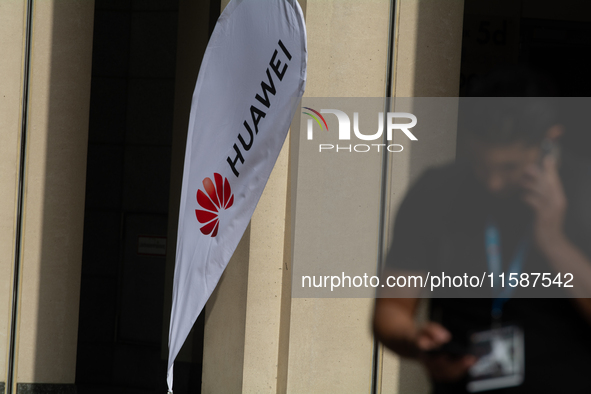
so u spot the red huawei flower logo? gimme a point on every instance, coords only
(218, 197)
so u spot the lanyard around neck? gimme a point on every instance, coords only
(492, 242)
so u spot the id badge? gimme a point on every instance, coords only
(500, 355)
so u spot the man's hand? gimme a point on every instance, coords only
(440, 366)
(544, 193)
(395, 327)
(446, 368)
(431, 336)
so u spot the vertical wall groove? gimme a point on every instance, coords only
(10, 378)
(376, 364)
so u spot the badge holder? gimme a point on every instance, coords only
(500, 349)
(501, 360)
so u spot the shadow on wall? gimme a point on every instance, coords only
(63, 199)
(436, 74)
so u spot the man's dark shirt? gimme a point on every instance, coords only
(440, 227)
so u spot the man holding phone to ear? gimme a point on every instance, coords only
(514, 185)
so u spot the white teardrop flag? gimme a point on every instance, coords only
(252, 76)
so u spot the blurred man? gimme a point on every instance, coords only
(516, 188)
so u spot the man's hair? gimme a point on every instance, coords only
(508, 105)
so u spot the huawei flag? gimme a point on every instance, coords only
(252, 76)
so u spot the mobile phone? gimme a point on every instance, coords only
(452, 349)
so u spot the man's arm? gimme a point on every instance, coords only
(545, 194)
(394, 325)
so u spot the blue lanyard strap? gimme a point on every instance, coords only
(492, 242)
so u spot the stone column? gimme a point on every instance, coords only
(12, 42)
(427, 64)
(54, 187)
(335, 201)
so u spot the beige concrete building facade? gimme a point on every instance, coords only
(45, 84)
(254, 336)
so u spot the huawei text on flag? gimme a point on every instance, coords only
(256, 113)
